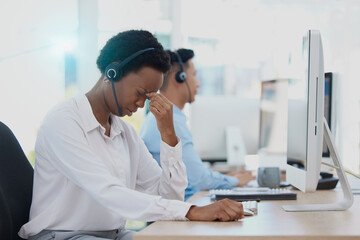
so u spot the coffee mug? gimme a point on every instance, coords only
(268, 177)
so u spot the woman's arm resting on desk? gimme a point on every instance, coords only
(223, 210)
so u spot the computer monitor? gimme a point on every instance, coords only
(211, 116)
(305, 118)
(306, 131)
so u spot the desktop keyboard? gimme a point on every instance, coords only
(243, 194)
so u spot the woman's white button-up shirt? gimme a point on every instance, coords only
(85, 180)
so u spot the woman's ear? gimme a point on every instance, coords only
(104, 78)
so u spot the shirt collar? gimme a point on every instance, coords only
(89, 120)
(116, 126)
(177, 111)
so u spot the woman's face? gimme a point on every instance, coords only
(131, 90)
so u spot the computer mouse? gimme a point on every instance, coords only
(248, 212)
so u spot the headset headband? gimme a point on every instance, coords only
(134, 55)
(179, 60)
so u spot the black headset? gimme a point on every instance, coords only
(180, 76)
(114, 71)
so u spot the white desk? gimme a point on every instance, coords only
(272, 223)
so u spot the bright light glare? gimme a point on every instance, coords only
(65, 45)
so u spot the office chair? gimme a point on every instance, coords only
(16, 181)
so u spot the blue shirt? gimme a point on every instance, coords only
(199, 176)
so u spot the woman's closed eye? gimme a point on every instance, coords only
(141, 94)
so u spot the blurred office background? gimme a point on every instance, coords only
(48, 51)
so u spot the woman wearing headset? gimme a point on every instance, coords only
(93, 172)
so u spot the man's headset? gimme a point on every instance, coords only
(114, 72)
(181, 76)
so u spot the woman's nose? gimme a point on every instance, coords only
(141, 103)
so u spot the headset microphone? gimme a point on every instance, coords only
(116, 101)
(114, 72)
(181, 76)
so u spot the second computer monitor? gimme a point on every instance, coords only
(210, 116)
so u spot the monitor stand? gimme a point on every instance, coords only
(348, 199)
(235, 147)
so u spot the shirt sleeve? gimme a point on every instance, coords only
(200, 176)
(172, 181)
(64, 144)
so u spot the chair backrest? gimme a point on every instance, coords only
(16, 181)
